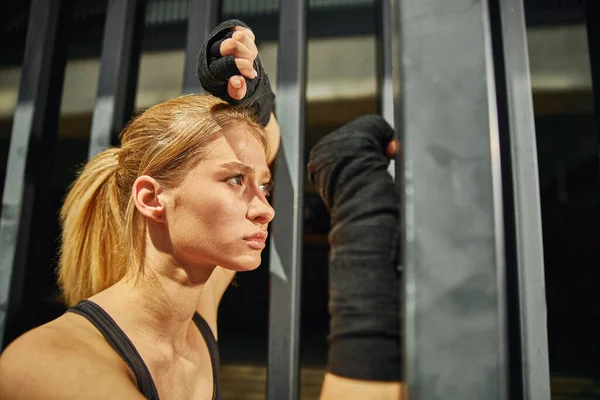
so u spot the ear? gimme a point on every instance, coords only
(147, 198)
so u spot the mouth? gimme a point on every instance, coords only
(257, 241)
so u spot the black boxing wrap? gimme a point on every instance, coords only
(215, 70)
(349, 170)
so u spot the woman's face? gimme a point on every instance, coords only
(219, 214)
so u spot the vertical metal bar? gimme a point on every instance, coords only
(385, 81)
(453, 251)
(530, 377)
(203, 18)
(286, 242)
(31, 151)
(592, 16)
(119, 66)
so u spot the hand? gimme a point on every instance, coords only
(229, 67)
(242, 47)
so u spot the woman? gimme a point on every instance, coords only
(145, 226)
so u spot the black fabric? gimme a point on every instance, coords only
(123, 346)
(349, 170)
(214, 72)
(213, 349)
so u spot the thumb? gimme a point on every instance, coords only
(237, 87)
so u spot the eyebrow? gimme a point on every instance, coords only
(245, 168)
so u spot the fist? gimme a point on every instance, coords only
(242, 47)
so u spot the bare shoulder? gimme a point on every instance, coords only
(64, 359)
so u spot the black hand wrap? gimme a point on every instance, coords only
(349, 169)
(215, 70)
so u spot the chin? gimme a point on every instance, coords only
(246, 263)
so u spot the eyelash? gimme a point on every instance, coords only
(266, 191)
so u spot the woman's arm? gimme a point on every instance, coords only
(337, 387)
(274, 137)
(349, 170)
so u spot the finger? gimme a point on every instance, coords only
(245, 30)
(392, 148)
(244, 38)
(231, 47)
(236, 87)
(246, 68)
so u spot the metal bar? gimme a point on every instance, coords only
(286, 240)
(119, 65)
(385, 82)
(530, 377)
(30, 156)
(453, 250)
(203, 18)
(592, 16)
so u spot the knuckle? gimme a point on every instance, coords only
(243, 50)
(244, 63)
(228, 45)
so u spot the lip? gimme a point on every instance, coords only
(259, 236)
(257, 241)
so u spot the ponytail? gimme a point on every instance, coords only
(92, 231)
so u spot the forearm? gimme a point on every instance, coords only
(336, 387)
(274, 137)
(212, 293)
(349, 169)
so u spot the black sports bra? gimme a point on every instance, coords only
(123, 346)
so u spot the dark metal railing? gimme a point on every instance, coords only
(118, 78)
(454, 81)
(34, 133)
(453, 232)
(592, 12)
(288, 200)
(203, 17)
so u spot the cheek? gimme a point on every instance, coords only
(210, 217)
(223, 212)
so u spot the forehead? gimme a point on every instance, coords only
(238, 143)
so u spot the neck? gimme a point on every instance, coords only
(157, 306)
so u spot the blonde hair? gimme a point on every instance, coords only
(103, 234)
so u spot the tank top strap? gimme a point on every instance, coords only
(120, 343)
(213, 349)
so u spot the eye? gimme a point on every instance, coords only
(266, 188)
(237, 180)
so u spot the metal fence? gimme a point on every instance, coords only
(454, 80)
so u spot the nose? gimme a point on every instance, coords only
(260, 211)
